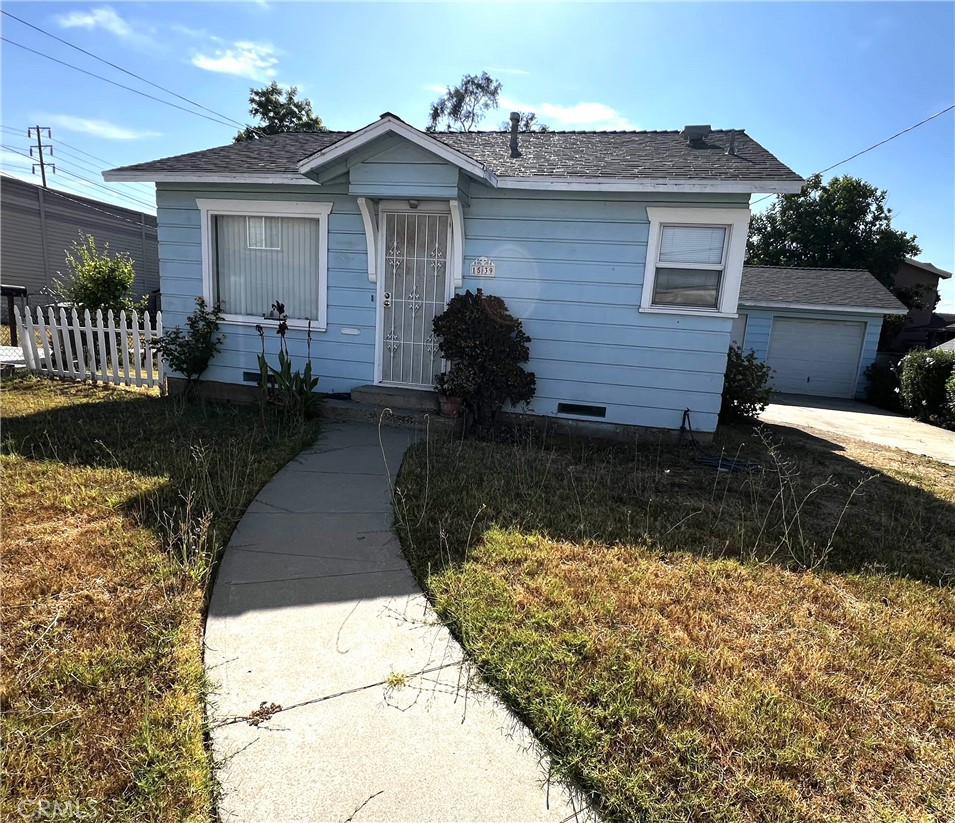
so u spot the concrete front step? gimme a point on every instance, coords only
(395, 398)
(350, 411)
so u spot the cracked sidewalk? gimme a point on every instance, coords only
(337, 694)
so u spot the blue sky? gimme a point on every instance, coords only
(814, 83)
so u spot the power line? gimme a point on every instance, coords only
(83, 203)
(109, 163)
(107, 188)
(126, 71)
(114, 192)
(86, 165)
(873, 146)
(114, 83)
(57, 150)
(38, 130)
(85, 179)
(61, 142)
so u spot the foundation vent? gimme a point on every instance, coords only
(581, 411)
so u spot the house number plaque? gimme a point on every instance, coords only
(482, 267)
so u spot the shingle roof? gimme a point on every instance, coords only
(611, 154)
(830, 288)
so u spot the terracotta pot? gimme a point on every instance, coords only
(450, 406)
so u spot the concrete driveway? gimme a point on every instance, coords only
(858, 421)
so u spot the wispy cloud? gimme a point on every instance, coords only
(256, 61)
(104, 18)
(98, 128)
(188, 31)
(507, 71)
(596, 116)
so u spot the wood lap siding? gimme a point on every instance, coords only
(22, 256)
(340, 360)
(571, 266)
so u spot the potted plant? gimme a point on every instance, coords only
(449, 402)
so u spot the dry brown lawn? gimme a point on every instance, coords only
(692, 645)
(115, 504)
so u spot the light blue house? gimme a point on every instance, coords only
(622, 252)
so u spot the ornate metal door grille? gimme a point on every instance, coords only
(415, 288)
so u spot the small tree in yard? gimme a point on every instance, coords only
(746, 390)
(190, 352)
(486, 345)
(97, 279)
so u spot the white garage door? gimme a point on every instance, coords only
(815, 356)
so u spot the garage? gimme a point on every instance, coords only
(818, 329)
(819, 357)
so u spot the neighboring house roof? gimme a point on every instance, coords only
(937, 322)
(944, 275)
(829, 289)
(601, 156)
(949, 346)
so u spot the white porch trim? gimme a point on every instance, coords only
(389, 124)
(370, 221)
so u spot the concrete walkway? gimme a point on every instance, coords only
(315, 610)
(859, 421)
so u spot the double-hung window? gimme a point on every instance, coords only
(694, 260)
(256, 253)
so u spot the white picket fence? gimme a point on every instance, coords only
(56, 341)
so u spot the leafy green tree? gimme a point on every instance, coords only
(461, 108)
(528, 122)
(842, 224)
(97, 279)
(279, 111)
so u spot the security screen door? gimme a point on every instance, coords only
(415, 289)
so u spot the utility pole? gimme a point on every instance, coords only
(38, 130)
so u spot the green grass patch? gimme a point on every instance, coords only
(116, 505)
(692, 645)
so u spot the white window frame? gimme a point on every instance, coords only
(211, 208)
(736, 223)
(248, 233)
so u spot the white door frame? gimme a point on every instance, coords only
(401, 207)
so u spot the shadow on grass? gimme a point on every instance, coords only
(813, 505)
(208, 460)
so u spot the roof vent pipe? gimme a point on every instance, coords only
(731, 146)
(515, 125)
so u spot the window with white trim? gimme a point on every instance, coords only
(257, 253)
(694, 260)
(689, 267)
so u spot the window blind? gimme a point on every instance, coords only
(250, 278)
(692, 244)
